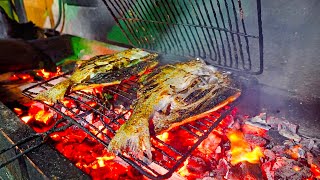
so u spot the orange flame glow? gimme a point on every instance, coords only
(101, 160)
(43, 116)
(47, 75)
(18, 111)
(296, 168)
(26, 119)
(210, 144)
(294, 151)
(183, 171)
(240, 149)
(163, 137)
(315, 171)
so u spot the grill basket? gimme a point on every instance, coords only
(225, 33)
(107, 114)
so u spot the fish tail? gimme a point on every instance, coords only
(57, 92)
(134, 138)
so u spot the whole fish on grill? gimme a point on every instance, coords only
(171, 96)
(89, 72)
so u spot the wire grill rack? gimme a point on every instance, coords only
(106, 111)
(225, 33)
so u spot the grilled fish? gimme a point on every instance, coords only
(171, 96)
(117, 76)
(88, 69)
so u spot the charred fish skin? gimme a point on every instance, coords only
(171, 96)
(116, 76)
(88, 69)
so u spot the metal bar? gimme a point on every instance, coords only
(190, 49)
(43, 136)
(214, 125)
(170, 17)
(189, 131)
(92, 110)
(98, 109)
(119, 10)
(246, 38)
(160, 27)
(191, 25)
(174, 15)
(19, 155)
(169, 33)
(238, 36)
(151, 26)
(222, 44)
(212, 30)
(168, 146)
(260, 37)
(207, 30)
(202, 29)
(116, 20)
(164, 153)
(137, 25)
(202, 124)
(197, 51)
(235, 52)
(139, 168)
(225, 33)
(203, 54)
(20, 142)
(197, 28)
(196, 128)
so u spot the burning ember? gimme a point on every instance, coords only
(241, 150)
(240, 147)
(30, 76)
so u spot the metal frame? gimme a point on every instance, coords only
(199, 129)
(214, 30)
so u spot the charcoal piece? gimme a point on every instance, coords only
(221, 170)
(259, 121)
(267, 170)
(197, 165)
(255, 140)
(289, 134)
(279, 150)
(275, 137)
(245, 170)
(270, 155)
(292, 169)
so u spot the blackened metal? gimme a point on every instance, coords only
(246, 38)
(42, 163)
(38, 139)
(260, 35)
(215, 31)
(23, 167)
(226, 34)
(110, 8)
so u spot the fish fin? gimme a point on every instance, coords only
(135, 139)
(57, 92)
(158, 126)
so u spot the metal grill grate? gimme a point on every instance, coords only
(225, 33)
(106, 113)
